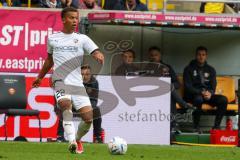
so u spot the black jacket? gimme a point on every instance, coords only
(92, 91)
(109, 4)
(126, 69)
(139, 7)
(198, 78)
(43, 4)
(163, 70)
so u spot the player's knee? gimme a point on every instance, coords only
(88, 121)
(223, 100)
(86, 114)
(88, 118)
(65, 104)
(67, 115)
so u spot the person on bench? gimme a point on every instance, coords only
(156, 67)
(199, 87)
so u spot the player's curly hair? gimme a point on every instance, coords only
(154, 48)
(66, 10)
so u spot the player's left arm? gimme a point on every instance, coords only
(98, 56)
(92, 48)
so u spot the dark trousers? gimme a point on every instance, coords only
(175, 98)
(219, 101)
(97, 121)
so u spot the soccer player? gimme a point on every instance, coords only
(63, 47)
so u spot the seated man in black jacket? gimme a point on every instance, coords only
(156, 67)
(130, 5)
(199, 87)
(127, 67)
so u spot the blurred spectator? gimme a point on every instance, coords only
(67, 3)
(88, 4)
(24, 3)
(50, 3)
(234, 6)
(3, 3)
(127, 67)
(130, 5)
(17, 3)
(108, 4)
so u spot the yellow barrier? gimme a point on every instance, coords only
(157, 5)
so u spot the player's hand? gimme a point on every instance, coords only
(36, 83)
(207, 95)
(99, 57)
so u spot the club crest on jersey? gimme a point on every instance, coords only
(75, 40)
(206, 75)
(194, 73)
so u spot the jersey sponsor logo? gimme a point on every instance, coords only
(66, 49)
(75, 40)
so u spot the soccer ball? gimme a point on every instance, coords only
(117, 146)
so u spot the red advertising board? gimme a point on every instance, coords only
(226, 137)
(23, 48)
(23, 38)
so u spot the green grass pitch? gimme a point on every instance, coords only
(58, 151)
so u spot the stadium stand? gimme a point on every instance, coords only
(205, 6)
(157, 5)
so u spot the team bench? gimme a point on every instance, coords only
(226, 87)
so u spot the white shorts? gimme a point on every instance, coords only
(78, 101)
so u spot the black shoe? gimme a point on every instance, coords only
(176, 131)
(98, 140)
(198, 130)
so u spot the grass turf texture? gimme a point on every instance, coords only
(58, 151)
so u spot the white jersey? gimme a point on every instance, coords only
(65, 47)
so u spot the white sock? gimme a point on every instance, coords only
(83, 128)
(69, 130)
(68, 125)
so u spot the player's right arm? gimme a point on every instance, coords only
(48, 64)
